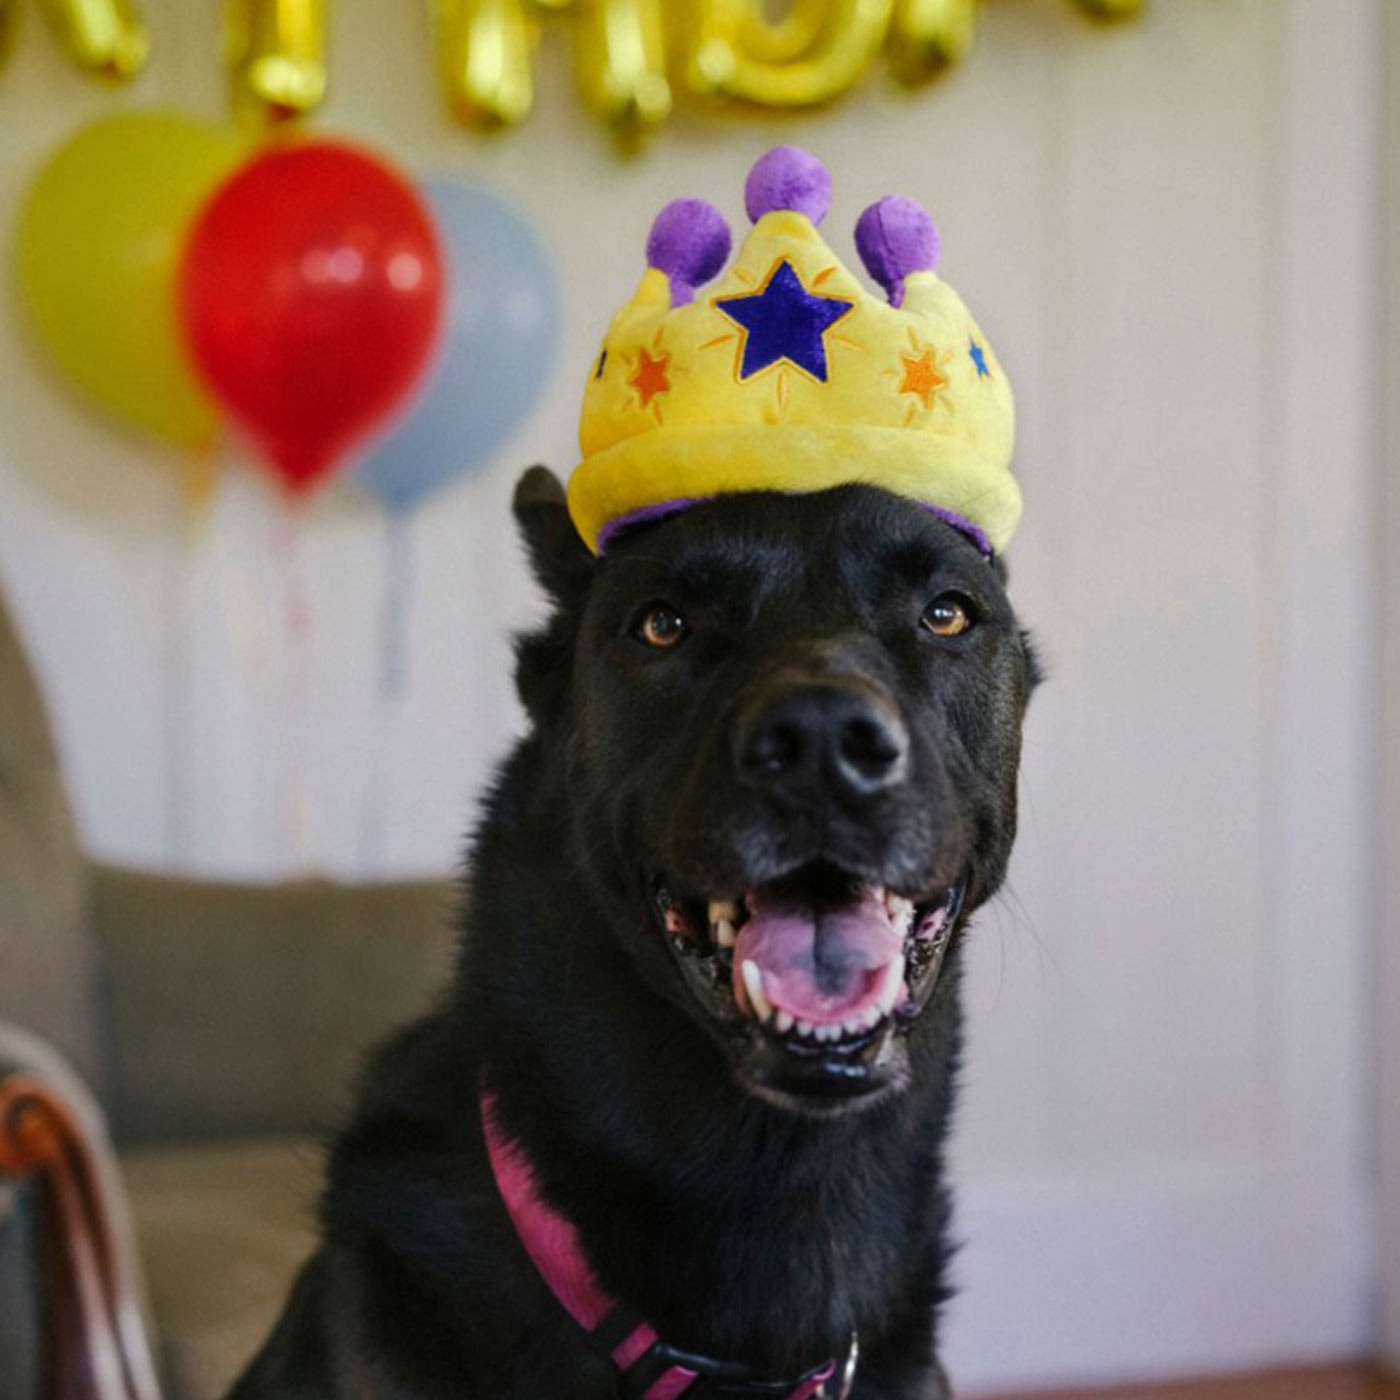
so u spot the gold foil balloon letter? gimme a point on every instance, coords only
(100, 36)
(622, 63)
(277, 55)
(928, 35)
(810, 55)
(1111, 9)
(485, 49)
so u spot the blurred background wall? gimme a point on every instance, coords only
(1170, 231)
(1386, 998)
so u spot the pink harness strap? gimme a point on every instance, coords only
(553, 1246)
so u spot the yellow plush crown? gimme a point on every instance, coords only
(787, 375)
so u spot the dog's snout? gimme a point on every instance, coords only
(817, 740)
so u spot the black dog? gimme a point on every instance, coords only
(774, 730)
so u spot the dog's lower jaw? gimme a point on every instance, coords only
(723, 1217)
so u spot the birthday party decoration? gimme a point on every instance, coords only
(817, 51)
(621, 47)
(485, 50)
(106, 37)
(277, 56)
(632, 56)
(310, 298)
(928, 35)
(96, 253)
(789, 375)
(500, 334)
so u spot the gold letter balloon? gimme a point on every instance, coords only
(812, 54)
(485, 50)
(631, 56)
(99, 242)
(622, 63)
(100, 36)
(928, 35)
(277, 56)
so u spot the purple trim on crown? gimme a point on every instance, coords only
(661, 509)
(963, 524)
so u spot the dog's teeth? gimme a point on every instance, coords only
(806, 1028)
(890, 985)
(753, 985)
(872, 1017)
(901, 910)
(934, 923)
(724, 909)
(828, 1032)
(855, 1026)
(783, 1022)
(723, 931)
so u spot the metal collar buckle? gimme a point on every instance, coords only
(844, 1377)
(725, 1380)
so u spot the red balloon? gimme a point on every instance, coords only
(310, 298)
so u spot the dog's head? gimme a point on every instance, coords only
(790, 728)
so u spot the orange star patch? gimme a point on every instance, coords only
(651, 376)
(921, 377)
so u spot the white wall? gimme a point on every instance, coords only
(1386, 993)
(1167, 231)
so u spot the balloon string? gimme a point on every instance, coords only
(398, 596)
(296, 622)
(195, 514)
(399, 572)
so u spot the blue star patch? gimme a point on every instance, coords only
(979, 358)
(784, 321)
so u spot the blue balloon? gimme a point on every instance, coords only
(500, 337)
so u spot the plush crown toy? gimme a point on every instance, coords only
(788, 375)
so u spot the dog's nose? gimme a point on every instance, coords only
(822, 739)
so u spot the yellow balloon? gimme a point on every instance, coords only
(622, 63)
(928, 35)
(277, 55)
(734, 46)
(99, 242)
(100, 36)
(485, 51)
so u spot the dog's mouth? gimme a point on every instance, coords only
(812, 978)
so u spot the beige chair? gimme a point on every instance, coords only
(219, 1028)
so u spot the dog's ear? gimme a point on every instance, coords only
(564, 567)
(561, 561)
(1035, 667)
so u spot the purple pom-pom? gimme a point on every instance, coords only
(689, 242)
(788, 178)
(895, 237)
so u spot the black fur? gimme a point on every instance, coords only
(741, 1225)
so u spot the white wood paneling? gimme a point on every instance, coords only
(1168, 231)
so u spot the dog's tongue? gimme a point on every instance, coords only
(821, 964)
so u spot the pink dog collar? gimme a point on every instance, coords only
(648, 1368)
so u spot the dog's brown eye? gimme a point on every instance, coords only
(947, 616)
(661, 626)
